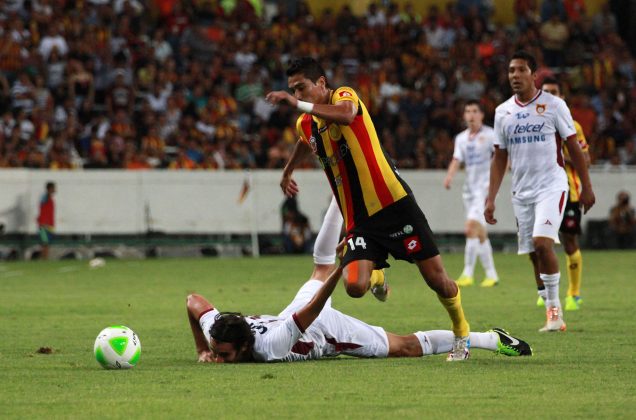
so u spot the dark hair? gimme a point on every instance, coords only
(529, 58)
(231, 327)
(50, 184)
(309, 67)
(551, 81)
(474, 102)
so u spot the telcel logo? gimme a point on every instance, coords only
(528, 128)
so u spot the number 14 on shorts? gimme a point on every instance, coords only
(359, 242)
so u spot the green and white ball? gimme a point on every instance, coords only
(117, 347)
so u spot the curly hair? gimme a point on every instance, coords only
(231, 327)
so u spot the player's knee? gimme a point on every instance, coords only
(355, 290)
(542, 248)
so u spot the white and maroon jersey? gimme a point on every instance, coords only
(532, 134)
(475, 151)
(279, 338)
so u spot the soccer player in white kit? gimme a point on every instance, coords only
(529, 129)
(309, 328)
(474, 148)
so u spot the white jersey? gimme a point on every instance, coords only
(279, 338)
(475, 152)
(532, 134)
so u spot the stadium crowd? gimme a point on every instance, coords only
(168, 84)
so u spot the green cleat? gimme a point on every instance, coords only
(573, 303)
(465, 281)
(511, 346)
(540, 302)
(489, 282)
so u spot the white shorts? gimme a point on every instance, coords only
(474, 205)
(540, 219)
(343, 334)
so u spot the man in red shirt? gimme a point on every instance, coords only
(46, 219)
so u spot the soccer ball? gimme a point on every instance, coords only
(117, 347)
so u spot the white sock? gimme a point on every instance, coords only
(327, 239)
(470, 256)
(441, 341)
(485, 256)
(551, 283)
(485, 340)
(436, 341)
(543, 293)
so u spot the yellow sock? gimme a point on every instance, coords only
(377, 278)
(454, 307)
(575, 272)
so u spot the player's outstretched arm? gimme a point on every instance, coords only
(310, 312)
(197, 306)
(342, 112)
(300, 153)
(587, 198)
(497, 172)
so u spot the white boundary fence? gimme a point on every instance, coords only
(199, 202)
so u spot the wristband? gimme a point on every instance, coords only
(306, 107)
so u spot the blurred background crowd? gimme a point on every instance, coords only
(139, 84)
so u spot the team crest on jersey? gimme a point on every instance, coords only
(345, 93)
(334, 132)
(540, 108)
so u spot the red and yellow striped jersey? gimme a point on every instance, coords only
(361, 175)
(574, 181)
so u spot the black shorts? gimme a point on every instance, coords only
(571, 219)
(400, 229)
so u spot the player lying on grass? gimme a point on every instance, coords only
(309, 328)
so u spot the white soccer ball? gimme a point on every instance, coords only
(117, 347)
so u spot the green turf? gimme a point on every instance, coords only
(586, 372)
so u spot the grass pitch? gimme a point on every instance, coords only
(586, 372)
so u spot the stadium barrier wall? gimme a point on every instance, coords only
(200, 202)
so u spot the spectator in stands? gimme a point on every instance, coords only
(622, 221)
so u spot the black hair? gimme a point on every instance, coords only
(474, 102)
(50, 184)
(551, 81)
(529, 58)
(231, 327)
(309, 67)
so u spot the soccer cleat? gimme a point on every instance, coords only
(511, 346)
(379, 286)
(460, 350)
(540, 302)
(464, 281)
(554, 320)
(489, 282)
(573, 303)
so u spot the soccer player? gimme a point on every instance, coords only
(379, 209)
(309, 328)
(46, 219)
(529, 128)
(474, 147)
(571, 226)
